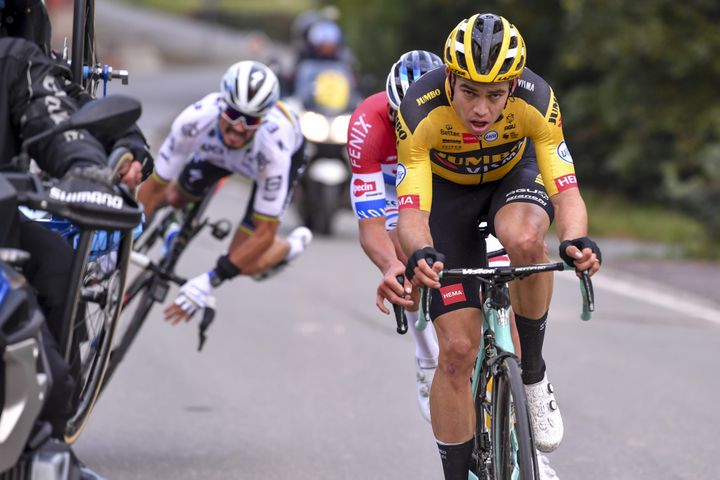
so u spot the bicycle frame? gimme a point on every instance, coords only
(494, 320)
(496, 344)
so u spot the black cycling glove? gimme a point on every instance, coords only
(428, 253)
(135, 142)
(581, 243)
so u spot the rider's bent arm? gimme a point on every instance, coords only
(376, 243)
(570, 214)
(414, 187)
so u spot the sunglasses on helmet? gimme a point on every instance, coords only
(235, 117)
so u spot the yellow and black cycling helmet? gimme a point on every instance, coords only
(485, 48)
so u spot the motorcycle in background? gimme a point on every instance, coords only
(324, 96)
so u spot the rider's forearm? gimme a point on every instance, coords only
(413, 230)
(570, 214)
(376, 243)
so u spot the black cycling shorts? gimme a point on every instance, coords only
(457, 210)
(197, 177)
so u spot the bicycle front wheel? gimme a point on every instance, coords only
(512, 440)
(127, 332)
(100, 302)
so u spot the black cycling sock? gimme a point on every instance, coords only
(456, 460)
(532, 335)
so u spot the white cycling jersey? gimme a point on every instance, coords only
(266, 159)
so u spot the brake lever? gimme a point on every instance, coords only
(588, 296)
(207, 320)
(400, 319)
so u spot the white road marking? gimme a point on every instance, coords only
(653, 293)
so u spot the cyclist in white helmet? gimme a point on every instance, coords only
(241, 129)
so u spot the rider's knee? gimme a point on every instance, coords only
(457, 355)
(175, 198)
(526, 246)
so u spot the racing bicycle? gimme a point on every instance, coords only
(152, 283)
(504, 447)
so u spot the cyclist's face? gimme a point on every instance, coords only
(235, 136)
(479, 105)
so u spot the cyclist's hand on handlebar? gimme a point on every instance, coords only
(582, 252)
(131, 174)
(135, 142)
(193, 297)
(423, 267)
(392, 291)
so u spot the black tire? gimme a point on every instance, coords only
(511, 433)
(145, 281)
(127, 332)
(99, 308)
(83, 43)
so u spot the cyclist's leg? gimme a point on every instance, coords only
(455, 310)
(278, 254)
(521, 214)
(194, 182)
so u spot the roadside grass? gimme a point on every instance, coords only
(617, 217)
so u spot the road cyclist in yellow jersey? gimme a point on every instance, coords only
(483, 138)
(372, 151)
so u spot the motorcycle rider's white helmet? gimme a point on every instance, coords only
(250, 87)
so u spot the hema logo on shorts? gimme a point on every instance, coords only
(98, 198)
(452, 294)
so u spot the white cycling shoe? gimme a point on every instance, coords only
(299, 239)
(423, 382)
(545, 471)
(547, 423)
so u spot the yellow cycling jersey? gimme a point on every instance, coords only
(432, 140)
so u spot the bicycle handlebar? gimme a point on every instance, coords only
(402, 326)
(503, 275)
(144, 261)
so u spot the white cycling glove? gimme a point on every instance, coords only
(195, 293)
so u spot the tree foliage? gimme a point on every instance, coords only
(636, 81)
